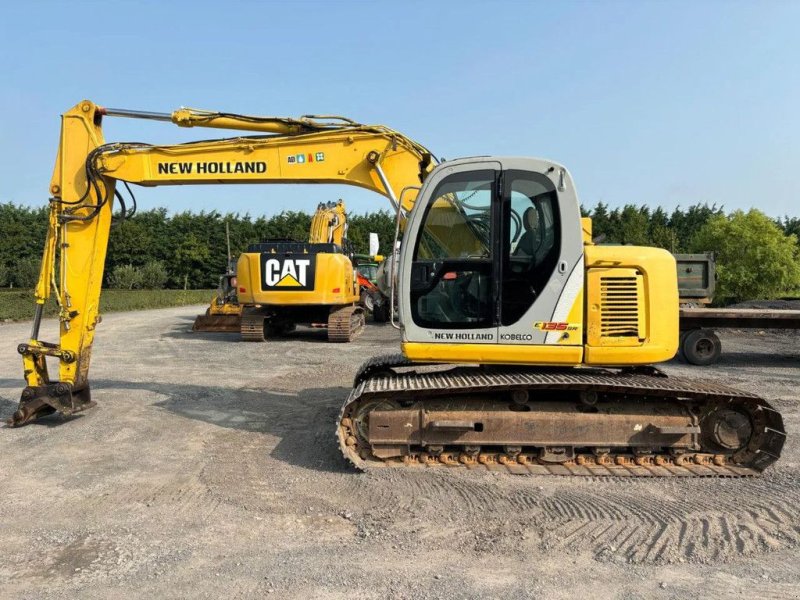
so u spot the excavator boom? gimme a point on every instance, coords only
(83, 190)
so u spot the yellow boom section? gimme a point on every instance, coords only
(329, 224)
(305, 150)
(352, 156)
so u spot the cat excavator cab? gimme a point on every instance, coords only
(525, 347)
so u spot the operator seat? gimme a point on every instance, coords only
(531, 240)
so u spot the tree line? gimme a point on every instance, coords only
(177, 250)
(156, 249)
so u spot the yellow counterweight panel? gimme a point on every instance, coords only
(334, 283)
(632, 305)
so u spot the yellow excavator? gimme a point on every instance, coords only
(525, 347)
(224, 313)
(279, 283)
(283, 283)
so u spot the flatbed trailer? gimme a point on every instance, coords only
(699, 343)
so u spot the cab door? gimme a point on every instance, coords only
(448, 281)
(541, 270)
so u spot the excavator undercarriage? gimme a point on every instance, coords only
(563, 421)
(344, 323)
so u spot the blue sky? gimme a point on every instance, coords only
(645, 102)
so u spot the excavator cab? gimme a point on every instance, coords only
(494, 247)
(494, 270)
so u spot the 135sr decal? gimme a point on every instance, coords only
(555, 326)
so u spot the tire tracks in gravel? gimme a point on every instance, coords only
(707, 524)
(649, 521)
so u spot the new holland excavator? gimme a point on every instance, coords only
(525, 347)
(282, 283)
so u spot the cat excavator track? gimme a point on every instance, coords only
(345, 324)
(560, 421)
(251, 327)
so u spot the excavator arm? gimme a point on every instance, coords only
(314, 149)
(329, 224)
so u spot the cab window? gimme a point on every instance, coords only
(532, 242)
(452, 263)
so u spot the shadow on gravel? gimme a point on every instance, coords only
(7, 408)
(744, 359)
(302, 421)
(301, 335)
(757, 359)
(181, 334)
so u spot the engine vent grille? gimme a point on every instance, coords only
(619, 306)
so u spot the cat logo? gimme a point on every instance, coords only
(287, 274)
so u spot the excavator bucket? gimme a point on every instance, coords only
(217, 323)
(220, 318)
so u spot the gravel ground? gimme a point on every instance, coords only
(209, 469)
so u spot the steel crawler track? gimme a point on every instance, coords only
(483, 394)
(345, 324)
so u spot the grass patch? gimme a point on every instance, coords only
(18, 305)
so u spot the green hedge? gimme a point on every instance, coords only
(18, 305)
